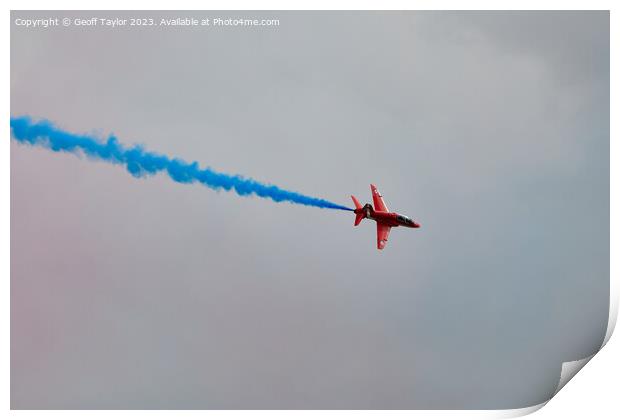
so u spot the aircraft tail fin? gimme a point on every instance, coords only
(359, 214)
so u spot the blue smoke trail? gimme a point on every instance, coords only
(140, 162)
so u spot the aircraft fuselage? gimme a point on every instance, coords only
(387, 218)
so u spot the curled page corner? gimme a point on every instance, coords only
(570, 368)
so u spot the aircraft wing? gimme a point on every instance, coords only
(383, 231)
(377, 199)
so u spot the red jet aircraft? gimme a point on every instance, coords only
(380, 214)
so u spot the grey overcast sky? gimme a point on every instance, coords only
(490, 128)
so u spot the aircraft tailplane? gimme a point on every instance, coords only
(359, 213)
